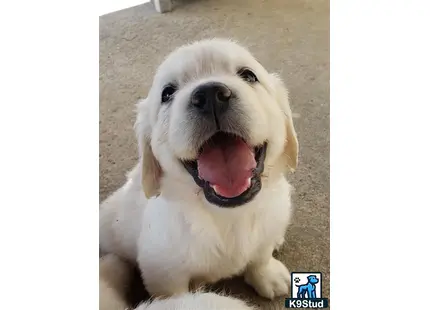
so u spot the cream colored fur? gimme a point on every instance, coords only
(115, 277)
(160, 218)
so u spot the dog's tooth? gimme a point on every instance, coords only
(215, 188)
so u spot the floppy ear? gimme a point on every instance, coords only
(151, 169)
(291, 146)
(291, 149)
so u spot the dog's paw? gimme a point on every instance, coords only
(269, 280)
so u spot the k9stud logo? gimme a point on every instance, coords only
(306, 288)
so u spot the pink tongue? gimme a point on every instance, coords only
(227, 164)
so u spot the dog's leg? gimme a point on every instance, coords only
(161, 282)
(269, 277)
(114, 279)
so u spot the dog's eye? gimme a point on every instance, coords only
(168, 93)
(247, 75)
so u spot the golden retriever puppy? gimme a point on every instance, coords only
(208, 198)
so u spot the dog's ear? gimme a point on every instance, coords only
(291, 147)
(151, 169)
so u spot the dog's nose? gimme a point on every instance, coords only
(211, 98)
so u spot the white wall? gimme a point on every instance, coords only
(109, 6)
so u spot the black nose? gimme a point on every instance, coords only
(211, 99)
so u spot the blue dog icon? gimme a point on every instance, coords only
(308, 289)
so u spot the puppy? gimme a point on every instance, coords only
(115, 276)
(208, 199)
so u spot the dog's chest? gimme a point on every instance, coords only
(211, 245)
(229, 246)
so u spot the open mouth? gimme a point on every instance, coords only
(228, 169)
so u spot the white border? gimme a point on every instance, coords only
(49, 158)
(379, 154)
(109, 6)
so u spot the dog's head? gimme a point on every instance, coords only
(313, 279)
(215, 115)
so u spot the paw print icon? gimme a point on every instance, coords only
(296, 280)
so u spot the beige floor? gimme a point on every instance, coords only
(287, 36)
